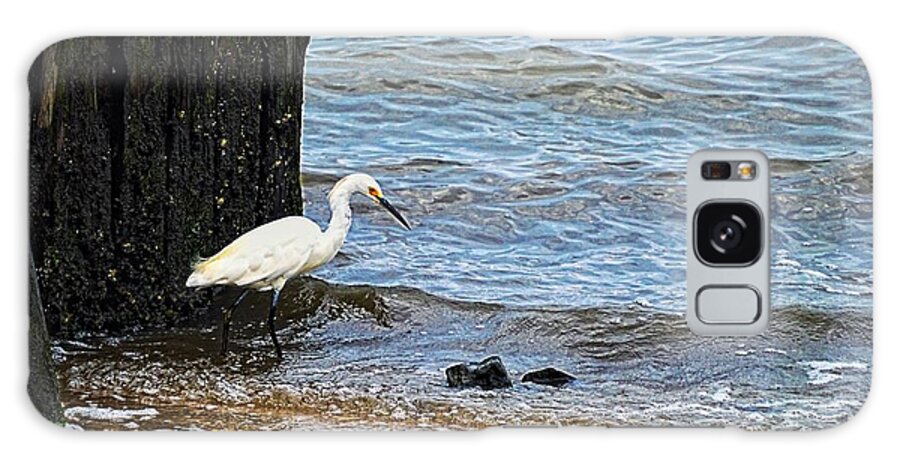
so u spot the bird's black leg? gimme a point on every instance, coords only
(226, 319)
(276, 294)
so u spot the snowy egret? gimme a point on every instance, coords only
(266, 257)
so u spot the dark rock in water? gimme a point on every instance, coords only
(489, 374)
(458, 375)
(548, 376)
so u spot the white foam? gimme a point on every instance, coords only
(823, 372)
(109, 414)
(785, 262)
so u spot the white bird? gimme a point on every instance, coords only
(266, 257)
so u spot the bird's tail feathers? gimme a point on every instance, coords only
(197, 261)
(198, 277)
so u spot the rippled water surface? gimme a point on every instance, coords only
(544, 180)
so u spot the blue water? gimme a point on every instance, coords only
(550, 173)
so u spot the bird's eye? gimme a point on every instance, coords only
(374, 192)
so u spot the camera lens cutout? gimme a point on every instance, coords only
(728, 233)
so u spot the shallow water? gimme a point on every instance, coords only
(364, 357)
(544, 182)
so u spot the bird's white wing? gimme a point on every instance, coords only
(260, 255)
(272, 262)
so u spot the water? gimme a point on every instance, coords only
(544, 183)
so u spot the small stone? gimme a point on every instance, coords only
(489, 374)
(548, 376)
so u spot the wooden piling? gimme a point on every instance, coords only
(146, 153)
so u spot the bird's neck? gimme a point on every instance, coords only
(339, 225)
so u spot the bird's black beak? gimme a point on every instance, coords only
(399, 217)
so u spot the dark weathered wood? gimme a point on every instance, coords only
(147, 153)
(43, 386)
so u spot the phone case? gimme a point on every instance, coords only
(542, 278)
